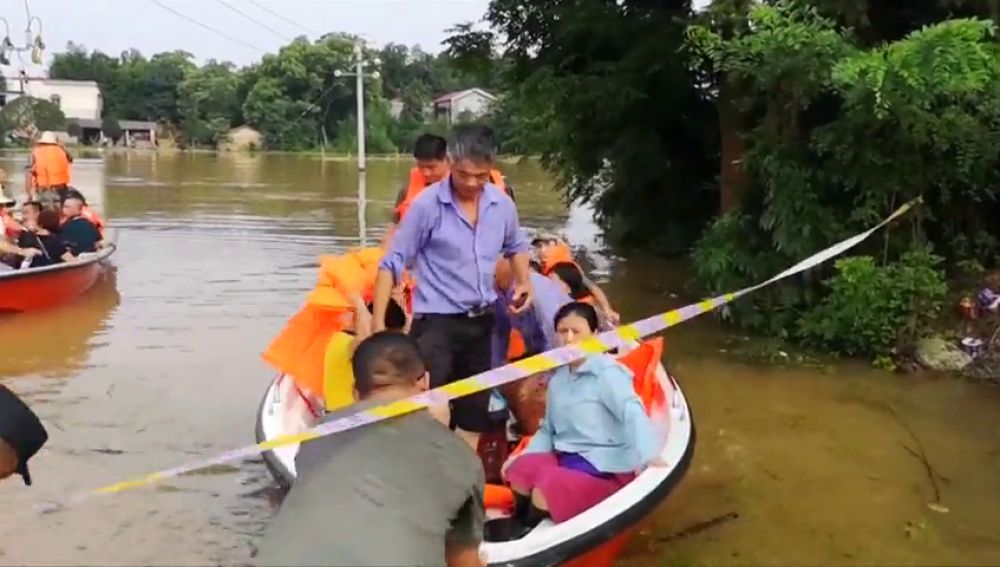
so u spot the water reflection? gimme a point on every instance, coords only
(57, 342)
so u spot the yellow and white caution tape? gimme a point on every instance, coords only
(509, 373)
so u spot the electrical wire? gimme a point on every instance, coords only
(280, 17)
(206, 26)
(254, 20)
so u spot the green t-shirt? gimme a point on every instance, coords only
(381, 495)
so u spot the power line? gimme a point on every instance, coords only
(206, 26)
(280, 17)
(258, 22)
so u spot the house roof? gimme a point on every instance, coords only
(64, 82)
(448, 97)
(125, 124)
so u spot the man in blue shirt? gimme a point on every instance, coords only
(451, 239)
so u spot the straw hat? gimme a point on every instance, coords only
(48, 138)
(6, 201)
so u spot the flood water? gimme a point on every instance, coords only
(159, 364)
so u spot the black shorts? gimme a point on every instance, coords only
(455, 348)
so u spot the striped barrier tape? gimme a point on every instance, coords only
(505, 374)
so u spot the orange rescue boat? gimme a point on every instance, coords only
(29, 289)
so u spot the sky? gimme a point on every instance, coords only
(113, 26)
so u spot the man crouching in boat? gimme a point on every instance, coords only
(404, 491)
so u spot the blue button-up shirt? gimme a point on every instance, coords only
(536, 325)
(454, 261)
(595, 412)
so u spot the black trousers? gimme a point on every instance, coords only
(456, 347)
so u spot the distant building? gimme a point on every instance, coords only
(460, 105)
(76, 99)
(81, 102)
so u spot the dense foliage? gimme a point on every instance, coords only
(292, 97)
(764, 131)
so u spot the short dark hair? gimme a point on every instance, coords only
(473, 142)
(387, 358)
(395, 317)
(33, 204)
(571, 275)
(74, 194)
(430, 147)
(580, 309)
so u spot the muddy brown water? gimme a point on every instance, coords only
(159, 364)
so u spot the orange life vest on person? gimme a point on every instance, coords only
(94, 218)
(643, 361)
(516, 347)
(418, 182)
(557, 254)
(49, 166)
(299, 350)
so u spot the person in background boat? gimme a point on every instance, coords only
(85, 211)
(452, 237)
(44, 233)
(593, 439)
(11, 254)
(79, 234)
(552, 251)
(21, 436)
(431, 155)
(531, 330)
(9, 227)
(404, 491)
(48, 174)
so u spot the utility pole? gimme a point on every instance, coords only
(359, 93)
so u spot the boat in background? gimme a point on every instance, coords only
(595, 537)
(29, 289)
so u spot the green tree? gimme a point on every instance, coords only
(840, 134)
(25, 116)
(600, 90)
(208, 103)
(112, 129)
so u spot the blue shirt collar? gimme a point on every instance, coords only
(444, 190)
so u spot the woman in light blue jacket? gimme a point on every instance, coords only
(593, 439)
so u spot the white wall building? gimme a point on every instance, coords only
(77, 99)
(471, 103)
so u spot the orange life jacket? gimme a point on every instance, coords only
(557, 254)
(94, 218)
(516, 347)
(418, 182)
(643, 361)
(49, 166)
(299, 350)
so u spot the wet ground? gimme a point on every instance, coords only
(159, 364)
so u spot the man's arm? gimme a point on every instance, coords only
(602, 300)
(466, 534)
(390, 231)
(516, 247)
(403, 248)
